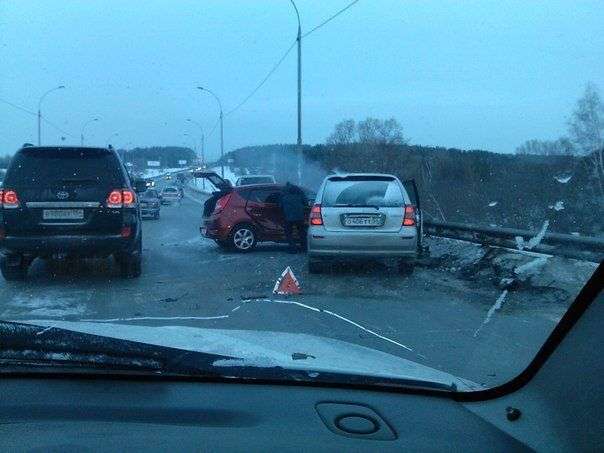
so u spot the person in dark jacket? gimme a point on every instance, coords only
(293, 204)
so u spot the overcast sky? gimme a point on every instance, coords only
(473, 75)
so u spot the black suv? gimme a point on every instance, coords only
(68, 201)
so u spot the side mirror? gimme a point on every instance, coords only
(139, 185)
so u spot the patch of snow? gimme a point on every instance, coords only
(557, 206)
(493, 203)
(496, 306)
(563, 179)
(531, 266)
(535, 241)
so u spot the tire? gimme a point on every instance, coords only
(405, 267)
(315, 266)
(14, 271)
(157, 215)
(130, 263)
(243, 238)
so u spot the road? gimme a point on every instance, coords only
(433, 317)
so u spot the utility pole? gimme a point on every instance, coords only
(299, 142)
(60, 87)
(221, 129)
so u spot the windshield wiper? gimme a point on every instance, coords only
(47, 347)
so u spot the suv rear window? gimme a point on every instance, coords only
(49, 166)
(357, 192)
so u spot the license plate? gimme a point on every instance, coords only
(363, 221)
(144, 205)
(63, 214)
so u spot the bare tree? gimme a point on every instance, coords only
(383, 132)
(586, 129)
(561, 147)
(344, 133)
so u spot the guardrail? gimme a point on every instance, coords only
(581, 247)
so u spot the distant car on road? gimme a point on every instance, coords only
(150, 204)
(168, 177)
(150, 183)
(358, 216)
(170, 195)
(68, 201)
(255, 179)
(240, 217)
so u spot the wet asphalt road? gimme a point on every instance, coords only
(430, 317)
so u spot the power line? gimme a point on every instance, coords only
(18, 107)
(263, 81)
(330, 18)
(57, 127)
(35, 114)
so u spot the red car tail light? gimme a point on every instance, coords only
(222, 202)
(128, 198)
(315, 215)
(114, 200)
(121, 198)
(9, 199)
(409, 217)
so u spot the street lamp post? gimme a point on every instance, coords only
(221, 130)
(203, 158)
(299, 39)
(60, 87)
(84, 127)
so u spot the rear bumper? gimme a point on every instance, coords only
(78, 245)
(215, 228)
(323, 243)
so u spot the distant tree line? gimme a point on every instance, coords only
(585, 138)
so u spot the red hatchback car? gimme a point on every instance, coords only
(240, 217)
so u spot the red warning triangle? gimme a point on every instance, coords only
(287, 283)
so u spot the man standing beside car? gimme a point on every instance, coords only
(293, 204)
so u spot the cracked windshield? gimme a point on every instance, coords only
(381, 192)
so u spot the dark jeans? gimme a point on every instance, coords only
(289, 234)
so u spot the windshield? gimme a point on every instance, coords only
(432, 185)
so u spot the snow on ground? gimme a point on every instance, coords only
(563, 179)
(155, 172)
(557, 206)
(492, 204)
(198, 184)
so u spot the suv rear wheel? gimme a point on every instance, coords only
(14, 267)
(243, 238)
(130, 263)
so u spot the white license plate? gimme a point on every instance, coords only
(63, 214)
(363, 221)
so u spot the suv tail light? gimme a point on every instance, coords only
(121, 198)
(315, 215)
(8, 199)
(409, 217)
(222, 202)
